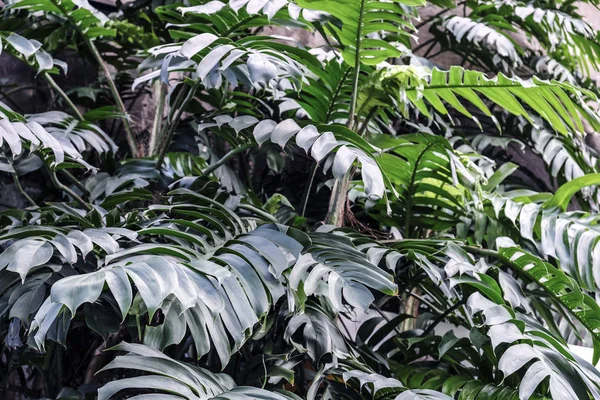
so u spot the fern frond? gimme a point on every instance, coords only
(484, 35)
(361, 19)
(559, 103)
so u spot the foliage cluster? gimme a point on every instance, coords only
(337, 218)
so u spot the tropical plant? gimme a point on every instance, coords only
(308, 204)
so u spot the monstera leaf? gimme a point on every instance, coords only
(174, 379)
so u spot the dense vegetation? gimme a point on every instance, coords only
(337, 217)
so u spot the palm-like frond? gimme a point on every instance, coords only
(30, 52)
(499, 310)
(174, 379)
(430, 179)
(74, 136)
(327, 98)
(233, 18)
(570, 237)
(53, 135)
(483, 34)
(321, 141)
(568, 158)
(85, 17)
(203, 266)
(548, 67)
(378, 386)
(562, 32)
(561, 286)
(269, 8)
(213, 51)
(360, 20)
(550, 100)
(496, 302)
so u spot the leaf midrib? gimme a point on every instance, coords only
(502, 86)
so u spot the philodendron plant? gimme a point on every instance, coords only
(312, 205)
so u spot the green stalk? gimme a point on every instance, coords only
(363, 129)
(75, 182)
(62, 94)
(336, 93)
(155, 137)
(133, 147)
(354, 98)
(310, 184)
(174, 123)
(111, 84)
(226, 158)
(66, 189)
(15, 177)
(339, 193)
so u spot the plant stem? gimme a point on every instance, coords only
(243, 160)
(425, 43)
(226, 158)
(362, 130)
(133, 147)
(75, 181)
(364, 105)
(386, 318)
(22, 191)
(62, 94)
(442, 316)
(66, 189)
(354, 99)
(111, 84)
(339, 193)
(175, 122)
(310, 184)
(155, 138)
(424, 301)
(336, 93)
(165, 126)
(337, 201)
(410, 307)
(429, 49)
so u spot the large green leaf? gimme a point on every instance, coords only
(88, 19)
(484, 35)
(336, 142)
(562, 287)
(203, 266)
(174, 379)
(431, 181)
(559, 103)
(360, 20)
